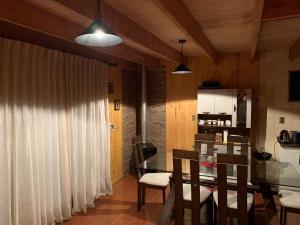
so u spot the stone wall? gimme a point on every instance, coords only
(129, 98)
(155, 115)
(156, 109)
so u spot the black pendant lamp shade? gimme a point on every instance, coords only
(97, 34)
(182, 68)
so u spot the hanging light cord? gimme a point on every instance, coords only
(182, 52)
(98, 8)
(182, 42)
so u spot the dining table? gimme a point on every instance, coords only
(264, 176)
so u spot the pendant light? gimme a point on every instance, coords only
(182, 68)
(98, 34)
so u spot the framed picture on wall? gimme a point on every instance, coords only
(294, 86)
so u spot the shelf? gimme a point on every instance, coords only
(215, 126)
(219, 129)
(215, 116)
(225, 127)
(290, 145)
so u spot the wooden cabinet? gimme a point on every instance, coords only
(206, 102)
(233, 102)
(217, 101)
(224, 101)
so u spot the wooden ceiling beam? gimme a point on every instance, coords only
(179, 14)
(35, 18)
(259, 7)
(281, 9)
(295, 50)
(20, 33)
(83, 12)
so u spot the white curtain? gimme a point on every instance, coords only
(54, 134)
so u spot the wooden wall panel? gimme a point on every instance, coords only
(115, 117)
(233, 71)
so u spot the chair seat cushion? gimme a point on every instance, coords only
(187, 194)
(156, 179)
(289, 198)
(203, 177)
(234, 181)
(232, 199)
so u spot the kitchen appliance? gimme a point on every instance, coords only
(284, 137)
(295, 137)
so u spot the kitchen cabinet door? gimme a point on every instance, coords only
(205, 103)
(224, 103)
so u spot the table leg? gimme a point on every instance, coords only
(167, 210)
(269, 202)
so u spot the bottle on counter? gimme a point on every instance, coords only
(225, 135)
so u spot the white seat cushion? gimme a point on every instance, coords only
(289, 198)
(187, 194)
(157, 179)
(206, 178)
(234, 181)
(232, 199)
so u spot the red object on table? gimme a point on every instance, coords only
(209, 165)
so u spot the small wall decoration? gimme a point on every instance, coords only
(117, 104)
(111, 88)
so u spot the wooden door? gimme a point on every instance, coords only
(115, 118)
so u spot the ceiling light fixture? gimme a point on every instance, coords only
(182, 68)
(98, 34)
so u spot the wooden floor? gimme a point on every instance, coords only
(120, 208)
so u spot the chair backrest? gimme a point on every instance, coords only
(242, 140)
(241, 211)
(193, 156)
(208, 139)
(138, 155)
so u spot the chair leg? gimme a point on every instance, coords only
(284, 216)
(179, 216)
(281, 215)
(251, 216)
(143, 195)
(164, 195)
(215, 214)
(209, 210)
(139, 194)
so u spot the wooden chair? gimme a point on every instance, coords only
(243, 141)
(233, 203)
(208, 139)
(187, 195)
(147, 180)
(290, 202)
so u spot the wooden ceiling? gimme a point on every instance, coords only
(148, 15)
(226, 23)
(151, 28)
